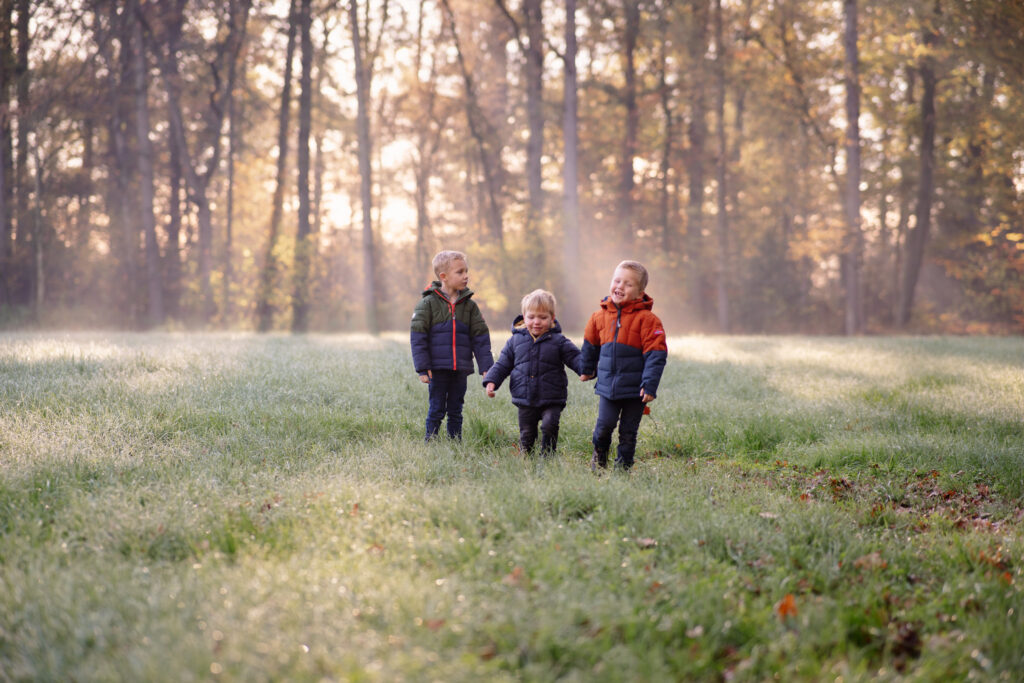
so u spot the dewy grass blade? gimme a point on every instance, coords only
(263, 507)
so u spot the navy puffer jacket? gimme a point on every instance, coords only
(536, 367)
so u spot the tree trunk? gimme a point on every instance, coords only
(83, 217)
(125, 171)
(303, 244)
(39, 274)
(6, 226)
(365, 169)
(534, 21)
(721, 219)
(667, 145)
(172, 252)
(571, 309)
(427, 142)
(229, 219)
(697, 136)
(630, 35)
(485, 138)
(853, 244)
(905, 188)
(917, 236)
(22, 275)
(144, 163)
(269, 272)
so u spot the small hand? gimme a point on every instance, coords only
(427, 377)
(490, 389)
(645, 397)
(584, 378)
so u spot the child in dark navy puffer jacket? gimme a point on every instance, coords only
(535, 358)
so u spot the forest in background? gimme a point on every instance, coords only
(781, 166)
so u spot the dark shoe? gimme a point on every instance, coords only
(599, 461)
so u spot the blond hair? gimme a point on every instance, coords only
(443, 261)
(636, 267)
(539, 300)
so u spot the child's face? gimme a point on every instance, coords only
(538, 321)
(456, 278)
(625, 286)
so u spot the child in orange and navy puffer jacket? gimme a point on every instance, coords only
(624, 347)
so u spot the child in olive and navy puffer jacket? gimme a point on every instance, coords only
(535, 358)
(624, 347)
(447, 331)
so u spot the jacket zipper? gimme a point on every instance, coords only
(615, 338)
(455, 358)
(451, 308)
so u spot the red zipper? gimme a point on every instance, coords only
(451, 308)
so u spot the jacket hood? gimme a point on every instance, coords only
(644, 303)
(435, 288)
(519, 325)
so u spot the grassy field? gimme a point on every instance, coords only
(235, 507)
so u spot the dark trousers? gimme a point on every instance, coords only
(548, 417)
(627, 414)
(447, 394)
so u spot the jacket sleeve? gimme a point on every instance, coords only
(503, 367)
(481, 339)
(655, 348)
(571, 356)
(419, 336)
(591, 348)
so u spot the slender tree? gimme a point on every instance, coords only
(532, 48)
(365, 169)
(121, 192)
(666, 96)
(853, 250)
(631, 127)
(303, 244)
(22, 276)
(696, 132)
(269, 271)
(172, 252)
(429, 120)
(6, 147)
(144, 163)
(484, 135)
(234, 122)
(572, 314)
(722, 216)
(917, 236)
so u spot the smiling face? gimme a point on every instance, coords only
(538, 321)
(625, 286)
(456, 278)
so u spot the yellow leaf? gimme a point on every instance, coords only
(1015, 236)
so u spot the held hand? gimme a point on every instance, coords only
(490, 389)
(426, 378)
(584, 378)
(645, 397)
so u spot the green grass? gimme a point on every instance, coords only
(236, 507)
